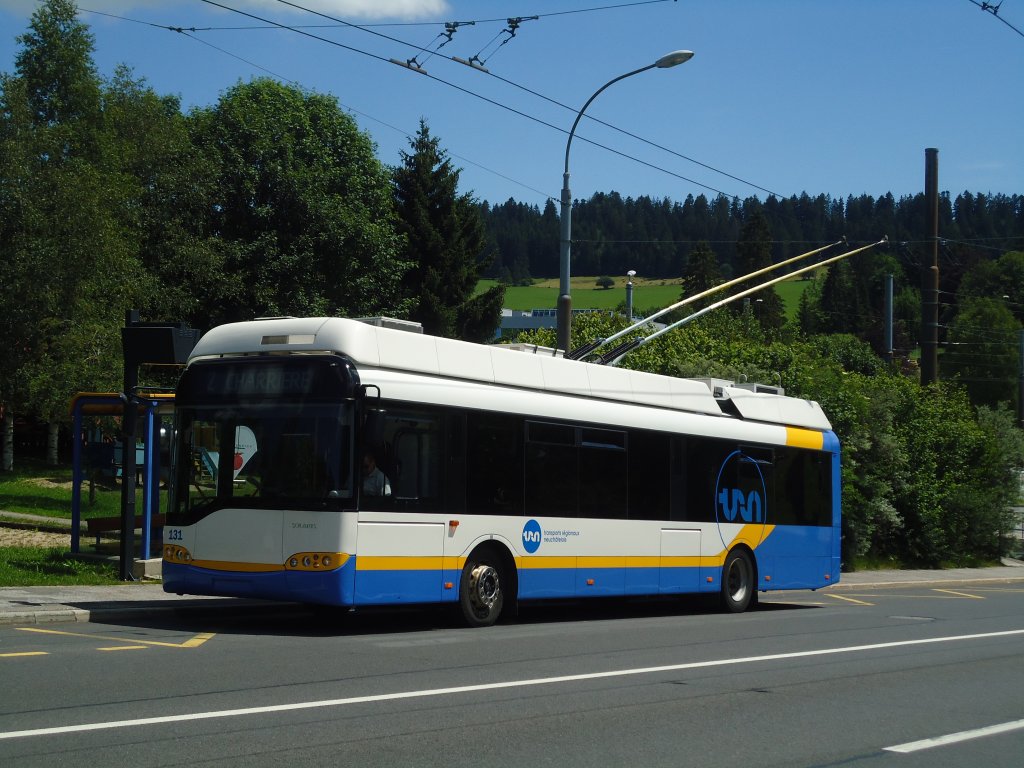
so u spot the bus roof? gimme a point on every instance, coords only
(373, 346)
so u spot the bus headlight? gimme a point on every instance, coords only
(315, 561)
(174, 553)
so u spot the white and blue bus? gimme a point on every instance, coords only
(508, 475)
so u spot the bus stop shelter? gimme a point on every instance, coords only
(151, 409)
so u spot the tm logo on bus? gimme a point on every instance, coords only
(531, 536)
(732, 503)
(744, 504)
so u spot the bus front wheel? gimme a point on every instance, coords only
(482, 590)
(739, 589)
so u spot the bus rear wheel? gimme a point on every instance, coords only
(482, 590)
(739, 590)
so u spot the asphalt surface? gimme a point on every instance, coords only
(41, 605)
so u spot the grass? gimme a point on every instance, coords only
(36, 489)
(543, 294)
(647, 294)
(40, 566)
(790, 292)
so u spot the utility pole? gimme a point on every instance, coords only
(128, 466)
(1020, 378)
(888, 319)
(930, 274)
(154, 343)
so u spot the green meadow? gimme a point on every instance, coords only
(647, 294)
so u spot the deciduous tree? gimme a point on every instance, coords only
(301, 208)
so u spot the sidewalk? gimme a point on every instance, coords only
(44, 605)
(40, 605)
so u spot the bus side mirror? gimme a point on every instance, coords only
(373, 428)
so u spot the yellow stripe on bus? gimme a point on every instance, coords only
(536, 561)
(372, 563)
(804, 438)
(229, 565)
(340, 558)
(752, 535)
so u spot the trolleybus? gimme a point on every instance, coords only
(344, 462)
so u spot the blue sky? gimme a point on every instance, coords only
(791, 96)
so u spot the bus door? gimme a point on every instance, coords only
(680, 560)
(400, 543)
(399, 561)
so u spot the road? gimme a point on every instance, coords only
(851, 678)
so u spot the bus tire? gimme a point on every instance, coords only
(739, 581)
(482, 589)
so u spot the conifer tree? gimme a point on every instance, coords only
(754, 251)
(701, 273)
(445, 244)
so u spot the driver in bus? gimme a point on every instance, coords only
(375, 482)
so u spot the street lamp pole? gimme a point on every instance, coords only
(629, 296)
(564, 314)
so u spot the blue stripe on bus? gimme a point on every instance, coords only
(327, 587)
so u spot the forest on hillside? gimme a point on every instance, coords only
(702, 242)
(612, 234)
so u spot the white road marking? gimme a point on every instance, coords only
(324, 703)
(956, 738)
(960, 594)
(848, 599)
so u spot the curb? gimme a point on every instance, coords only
(940, 582)
(64, 614)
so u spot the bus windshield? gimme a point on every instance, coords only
(282, 455)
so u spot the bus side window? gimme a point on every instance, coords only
(551, 469)
(702, 459)
(413, 459)
(494, 464)
(650, 462)
(602, 473)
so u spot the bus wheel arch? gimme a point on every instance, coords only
(488, 585)
(739, 580)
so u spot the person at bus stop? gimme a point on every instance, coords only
(375, 482)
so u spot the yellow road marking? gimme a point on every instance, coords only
(960, 594)
(193, 642)
(883, 594)
(849, 599)
(24, 653)
(124, 648)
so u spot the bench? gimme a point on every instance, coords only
(99, 525)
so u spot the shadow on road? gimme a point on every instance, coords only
(324, 621)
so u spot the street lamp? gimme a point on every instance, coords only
(629, 296)
(564, 299)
